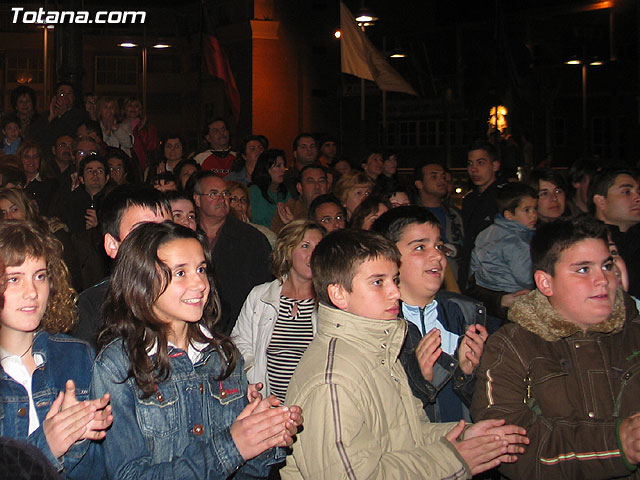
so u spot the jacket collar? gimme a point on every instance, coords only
(271, 295)
(379, 336)
(534, 313)
(513, 226)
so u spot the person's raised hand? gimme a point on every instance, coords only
(285, 213)
(471, 348)
(427, 353)
(253, 391)
(62, 428)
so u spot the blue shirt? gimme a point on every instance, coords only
(427, 320)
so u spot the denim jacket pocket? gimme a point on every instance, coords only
(158, 414)
(228, 390)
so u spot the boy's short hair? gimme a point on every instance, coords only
(322, 200)
(483, 144)
(121, 198)
(337, 257)
(602, 182)
(511, 194)
(418, 172)
(92, 158)
(391, 224)
(7, 119)
(551, 239)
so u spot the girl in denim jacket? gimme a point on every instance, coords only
(178, 388)
(44, 379)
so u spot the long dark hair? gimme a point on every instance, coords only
(139, 278)
(261, 177)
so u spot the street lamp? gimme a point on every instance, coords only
(594, 62)
(144, 66)
(365, 17)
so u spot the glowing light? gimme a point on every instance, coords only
(458, 190)
(498, 118)
(162, 45)
(337, 34)
(127, 45)
(573, 61)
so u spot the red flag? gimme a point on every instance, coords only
(216, 64)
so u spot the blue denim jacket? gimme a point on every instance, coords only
(64, 358)
(183, 430)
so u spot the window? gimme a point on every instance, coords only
(113, 70)
(24, 68)
(407, 133)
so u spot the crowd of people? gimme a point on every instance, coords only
(215, 314)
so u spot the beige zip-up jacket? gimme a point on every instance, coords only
(361, 419)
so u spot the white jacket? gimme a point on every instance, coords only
(253, 330)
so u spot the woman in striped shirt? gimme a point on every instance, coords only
(277, 320)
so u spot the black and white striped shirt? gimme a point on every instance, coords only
(291, 336)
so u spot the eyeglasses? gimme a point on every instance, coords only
(213, 194)
(84, 153)
(336, 219)
(239, 200)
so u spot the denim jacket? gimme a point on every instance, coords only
(64, 358)
(183, 430)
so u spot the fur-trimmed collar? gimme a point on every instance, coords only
(534, 313)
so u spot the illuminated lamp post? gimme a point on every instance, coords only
(145, 52)
(594, 62)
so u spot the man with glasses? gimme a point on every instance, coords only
(311, 183)
(79, 209)
(62, 159)
(328, 212)
(84, 147)
(240, 252)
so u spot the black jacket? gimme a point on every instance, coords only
(455, 312)
(241, 258)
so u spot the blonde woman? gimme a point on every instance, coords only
(352, 189)
(278, 320)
